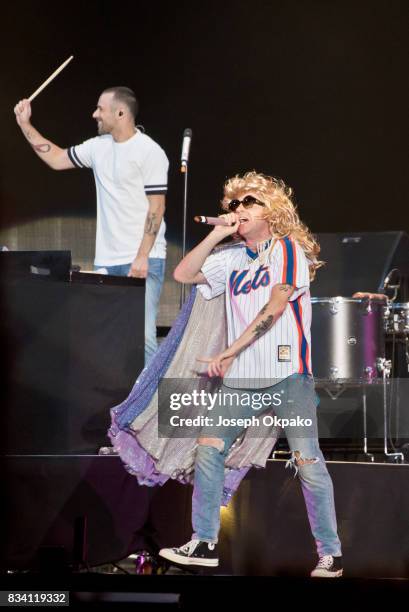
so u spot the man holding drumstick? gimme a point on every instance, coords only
(130, 172)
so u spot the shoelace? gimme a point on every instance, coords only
(325, 562)
(189, 547)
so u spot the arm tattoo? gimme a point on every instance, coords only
(263, 326)
(42, 148)
(151, 225)
(262, 311)
(285, 288)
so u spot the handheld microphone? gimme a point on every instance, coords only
(215, 220)
(210, 220)
(187, 137)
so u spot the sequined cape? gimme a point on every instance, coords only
(200, 329)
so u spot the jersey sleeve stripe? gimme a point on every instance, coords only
(302, 341)
(294, 248)
(307, 350)
(290, 262)
(74, 157)
(284, 276)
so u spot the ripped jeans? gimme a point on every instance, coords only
(307, 459)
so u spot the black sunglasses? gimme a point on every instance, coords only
(247, 202)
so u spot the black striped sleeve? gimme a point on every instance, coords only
(155, 189)
(72, 154)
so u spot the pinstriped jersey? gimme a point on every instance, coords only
(285, 348)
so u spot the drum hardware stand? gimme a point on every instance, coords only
(407, 350)
(339, 389)
(370, 375)
(384, 366)
(370, 456)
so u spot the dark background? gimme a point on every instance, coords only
(315, 92)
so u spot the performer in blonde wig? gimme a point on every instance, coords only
(259, 286)
(279, 211)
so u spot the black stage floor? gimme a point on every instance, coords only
(67, 510)
(215, 592)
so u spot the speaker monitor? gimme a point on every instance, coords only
(55, 265)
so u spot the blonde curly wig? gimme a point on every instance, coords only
(280, 210)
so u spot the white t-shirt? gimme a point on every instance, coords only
(125, 173)
(283, 350)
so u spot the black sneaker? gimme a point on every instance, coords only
(194, 552)
(328, 567)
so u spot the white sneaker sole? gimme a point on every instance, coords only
(325, 574)
(167, 553)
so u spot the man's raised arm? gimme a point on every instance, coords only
(51, 154)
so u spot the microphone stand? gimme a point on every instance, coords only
(184, 170)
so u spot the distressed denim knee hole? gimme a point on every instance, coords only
(297, 461)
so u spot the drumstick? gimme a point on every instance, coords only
(50, 78)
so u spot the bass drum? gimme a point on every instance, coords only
(347, 339)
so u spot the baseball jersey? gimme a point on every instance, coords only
(285, 348)
(125, 173)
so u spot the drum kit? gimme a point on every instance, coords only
(354, 344)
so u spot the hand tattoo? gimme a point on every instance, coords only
(285, 288)
(263, 326)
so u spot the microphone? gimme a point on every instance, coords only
(187, 137)
(210, 220)
(214, 220)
